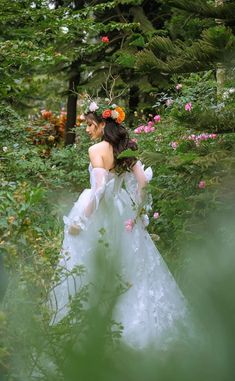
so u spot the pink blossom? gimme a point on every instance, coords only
(203, 137)
(213, 136)
(157, 118)
(169, 102)
(192, 137)
(198, 138)
(147, 129)
(202, 184)
(178, 86)
(129, 224)
(174, 145)
(188, 106)
(138, 130)
(156, 215)
(105, 39)
(150, 124)
(152, 129)
(134, 140)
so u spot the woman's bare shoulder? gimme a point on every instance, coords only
(101, 146)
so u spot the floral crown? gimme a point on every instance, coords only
(105, 110)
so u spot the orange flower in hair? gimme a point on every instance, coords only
(121, 116)
(106, 113)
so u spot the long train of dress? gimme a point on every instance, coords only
(153, 305)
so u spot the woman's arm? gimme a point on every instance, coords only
(141, 179)
(96, 157)
(98, 178)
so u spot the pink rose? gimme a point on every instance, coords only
(188, 106)
(129, 224)
(157, 118)
(178, 86)
(105, 39)
(192, 137)
(202, 184)
(150, 124)
(147, 129)
(169, 102)
(156, 215)
(139, 129)
(203, 137)
(174, 145)
(213, 136)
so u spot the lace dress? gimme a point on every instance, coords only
(153, 305)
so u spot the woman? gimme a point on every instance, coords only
(112, 213)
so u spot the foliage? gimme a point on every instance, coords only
(208, 9)
(162, 54)
(191, 165)
(195, 53)
(190, 145)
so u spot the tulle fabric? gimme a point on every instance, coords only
(153, 305)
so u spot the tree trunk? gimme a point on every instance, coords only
(59, 3)
(133, 103)
(72, 104)
(220, 68)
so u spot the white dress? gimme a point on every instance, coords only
(152, 306)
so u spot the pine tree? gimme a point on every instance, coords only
(128, 26)
(216, 45)
(53, 49)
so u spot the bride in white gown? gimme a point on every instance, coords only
(152, 306)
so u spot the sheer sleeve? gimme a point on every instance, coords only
(137, 180)
(87, 203)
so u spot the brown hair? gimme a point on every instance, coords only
(118, 136)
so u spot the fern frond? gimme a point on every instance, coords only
(151, 158)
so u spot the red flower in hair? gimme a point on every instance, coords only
(106, 114)
(105, 39)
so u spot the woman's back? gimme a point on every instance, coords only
(101, 155)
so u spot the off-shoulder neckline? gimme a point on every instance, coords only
(106, 170)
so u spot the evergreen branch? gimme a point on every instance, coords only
(140, 17)
(163, 55)
(204, 9)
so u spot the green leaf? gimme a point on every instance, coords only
(128, 153)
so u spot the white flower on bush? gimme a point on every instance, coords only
(93, 107)
(4, 149)
(226, 95)
(145, 220)
(228, 92)
(114, 114)
(64, 29)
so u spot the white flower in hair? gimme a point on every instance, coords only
(114, 114)
(93, 107)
